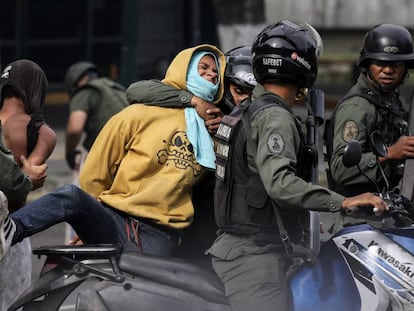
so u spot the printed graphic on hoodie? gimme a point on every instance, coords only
(181, 153)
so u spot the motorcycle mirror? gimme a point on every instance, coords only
(378, 144)
(352, 154)
(380, 150)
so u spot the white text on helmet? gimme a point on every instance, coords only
(272, 62)
(300, 60)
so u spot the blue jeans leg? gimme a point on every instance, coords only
(139, 236)
(93, 221)
(89, 218)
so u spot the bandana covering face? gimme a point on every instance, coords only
(196, 130)
(196, 84)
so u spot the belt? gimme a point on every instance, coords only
(146, 221)
(262, 236)
(163, 228)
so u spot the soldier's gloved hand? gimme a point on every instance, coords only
(72, 159)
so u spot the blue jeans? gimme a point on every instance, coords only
(93, 221)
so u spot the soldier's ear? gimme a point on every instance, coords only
(301, 93)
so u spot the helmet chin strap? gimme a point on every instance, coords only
(228, 98)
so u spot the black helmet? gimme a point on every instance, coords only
(76, 71)
(239, 67)
(287, 51)
(387, 42)
(239, 71)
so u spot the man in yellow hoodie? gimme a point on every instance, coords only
(137, 179)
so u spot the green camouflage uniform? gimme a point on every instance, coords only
(100, 98)
(245, 265)
(156, 93)
(16, 266)
(355, 119)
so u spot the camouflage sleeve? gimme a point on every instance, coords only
(353, 121)
(13, 182)
(156, 93)
(275, 134)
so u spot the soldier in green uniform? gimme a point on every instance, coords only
(261, 188)
(373, 105)
(15, 182)
(94, 99)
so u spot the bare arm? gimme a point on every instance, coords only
(15, 134)
(36, 173)
(45, 145)
(403, 148)
(74, 130)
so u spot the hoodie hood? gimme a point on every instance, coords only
(176, 75)
(28, 80)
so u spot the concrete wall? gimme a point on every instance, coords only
(341, 22)
(348, 14)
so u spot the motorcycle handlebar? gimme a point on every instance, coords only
(365, 211)
(399, 208)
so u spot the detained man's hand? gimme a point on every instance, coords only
(213, 123)
(36, 173)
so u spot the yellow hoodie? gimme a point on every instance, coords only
(142, 162)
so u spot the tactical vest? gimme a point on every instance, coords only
(241, 203)
(117, 92)
(395, 126)
(113, 100)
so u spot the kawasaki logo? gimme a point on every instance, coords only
(405, 268)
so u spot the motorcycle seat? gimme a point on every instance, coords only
(175, 272)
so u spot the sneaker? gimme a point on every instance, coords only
(7, 226)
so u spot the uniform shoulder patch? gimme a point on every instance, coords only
(275, 143)
(350, 131)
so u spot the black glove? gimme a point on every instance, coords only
(72, 159)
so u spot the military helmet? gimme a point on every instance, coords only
(286, 51)
(388, 42)
(239, 67)
(76, 71)
(238, 71)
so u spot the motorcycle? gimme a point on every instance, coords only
(359, 268)
(362, 268)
